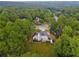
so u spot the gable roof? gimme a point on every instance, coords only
(43, 33)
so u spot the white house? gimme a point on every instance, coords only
(56, 18)
(42, 36)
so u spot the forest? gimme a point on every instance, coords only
(17, 26)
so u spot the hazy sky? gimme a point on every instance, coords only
(39, 0)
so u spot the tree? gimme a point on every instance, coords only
(14, 35)
(63, 46)
(15, 39)
(75, 42)
(67, 30)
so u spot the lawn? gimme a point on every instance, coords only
(39, 49)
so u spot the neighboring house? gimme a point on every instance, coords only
(37, 20)
(43, 36)
(56, 18)
(58, 32)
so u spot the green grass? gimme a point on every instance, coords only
(39, 49)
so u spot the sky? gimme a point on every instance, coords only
(39, 0)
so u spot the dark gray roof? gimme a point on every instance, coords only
(43, 33)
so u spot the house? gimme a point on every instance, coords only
(37, 20)
(43, 36)
(58, 32)
(56, 18)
